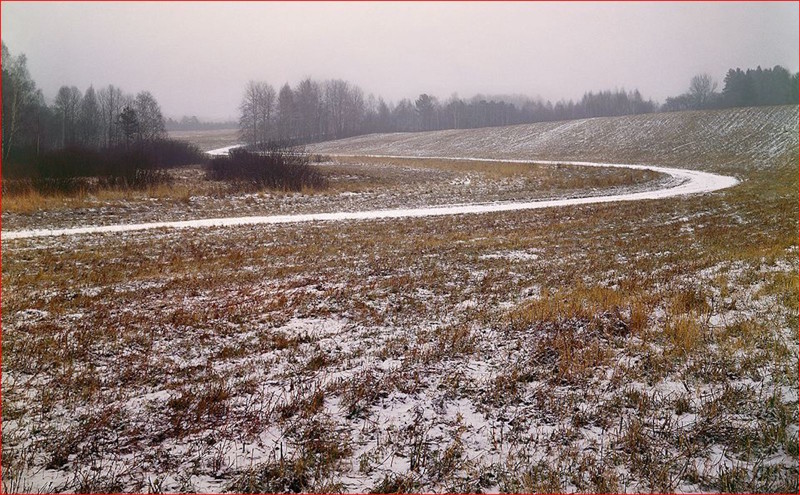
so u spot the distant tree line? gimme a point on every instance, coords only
(192, 123)
(753, 87)
(92, 119)
(311, 111)
(334, 109)
(90, 133)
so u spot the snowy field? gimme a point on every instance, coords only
(628, 346)
(732, 139)
(682, 183)
(356, 184)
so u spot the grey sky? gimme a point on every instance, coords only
(196, 57)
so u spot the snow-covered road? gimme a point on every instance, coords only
(223, 151)
(688, 182)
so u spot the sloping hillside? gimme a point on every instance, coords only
(722, 140)
(623, 347)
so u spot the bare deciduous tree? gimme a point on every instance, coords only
(308, 104)
(148, 112)
(256, 114)
(286, 114)
(19, 94)
(67, 103)
(111, 102)
(702, 90)
(248, 116)
(266, 109)
(335, 102)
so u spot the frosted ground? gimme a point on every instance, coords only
(355, 184)
(682, 183)
(627, 346)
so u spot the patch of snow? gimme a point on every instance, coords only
(511, 256)
(32, 314)
(223, 151)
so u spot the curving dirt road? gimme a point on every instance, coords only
(688, 182)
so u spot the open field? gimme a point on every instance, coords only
(355, 184)
(207, 140)
(642, 346)
(723, 141)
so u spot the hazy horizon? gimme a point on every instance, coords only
(196, 57)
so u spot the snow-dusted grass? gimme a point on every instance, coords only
(684, 182)
(734, 139)
(356, 184)
(633, 346)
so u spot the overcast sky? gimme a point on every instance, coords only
(196, 57)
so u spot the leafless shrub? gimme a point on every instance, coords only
(280, 168)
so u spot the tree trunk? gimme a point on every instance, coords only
(12, 131)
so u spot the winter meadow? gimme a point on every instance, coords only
(382, 248)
